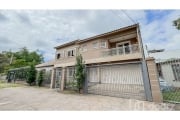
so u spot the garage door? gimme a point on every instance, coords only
(123, 80)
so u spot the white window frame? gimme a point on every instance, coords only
(97, 45)
(104, 45)
(74, 52)
(83, 48)
(72, 71)
(62, 54)
(57, 56)
(122, 43)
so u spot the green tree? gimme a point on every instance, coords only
(40, 78)
(176, 23)
(79, 75)
(22, 58)
(4, 61)
(31, 76)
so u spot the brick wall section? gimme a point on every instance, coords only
(154, 82)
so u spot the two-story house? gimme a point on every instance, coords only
(113, 63)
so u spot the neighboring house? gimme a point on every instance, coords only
(113, 63)
(166, 54)
(169, 70)
(47, 69)
(168, 66)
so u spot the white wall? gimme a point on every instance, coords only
(168, 75)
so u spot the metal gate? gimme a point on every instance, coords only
(119, 80)
(58, 78)
(70, 82)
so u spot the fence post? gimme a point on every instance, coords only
(154, 81)
(146, 81)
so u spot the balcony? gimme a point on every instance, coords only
(129, 52)
(124, 50)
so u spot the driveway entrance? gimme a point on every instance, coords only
(119, 80)
(35, 98)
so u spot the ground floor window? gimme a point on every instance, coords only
(176, 71)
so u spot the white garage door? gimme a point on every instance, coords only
(117, 80)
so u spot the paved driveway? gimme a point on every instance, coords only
(31, 98)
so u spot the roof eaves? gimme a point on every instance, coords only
(98, 36)
(67, 44)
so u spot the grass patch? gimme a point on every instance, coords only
(4, 84)
(171, 96)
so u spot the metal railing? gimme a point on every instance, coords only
(116, 80)
(70, 83)
(121, 50)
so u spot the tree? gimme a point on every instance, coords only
(176, 23)
(22, 58)
(3, 62)
(79, 75)
(31, 76)
(40, 78)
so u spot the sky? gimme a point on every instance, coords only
(42, 30)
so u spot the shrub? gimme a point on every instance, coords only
(31, 75)
(40, 78)
(79, 75)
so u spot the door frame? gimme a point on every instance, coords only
(58, 78)
(122, 43)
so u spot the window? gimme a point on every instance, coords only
(95, 45)
(103, 44)
(59, 73)
(84, 48)
(71, 72)
(124, 47)
(58, 55)
(176, 71)
(71, 53)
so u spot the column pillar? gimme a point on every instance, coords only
(154, 80)
(63, 78)
(53, 74)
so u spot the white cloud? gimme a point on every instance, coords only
(45, 29)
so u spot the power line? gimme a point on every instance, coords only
(118, 16)
(129, 17)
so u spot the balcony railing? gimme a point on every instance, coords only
(121, 50)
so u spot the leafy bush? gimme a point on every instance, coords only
(31, 75)
(79, 75)
(40, 78)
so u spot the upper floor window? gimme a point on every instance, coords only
(103, 44)
(95, 45)
(71, 53)
(58, 56)
(84, 48)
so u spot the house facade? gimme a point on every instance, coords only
(169, 71)
(114, 64)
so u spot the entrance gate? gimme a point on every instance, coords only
(119, 80)
(58, 78)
